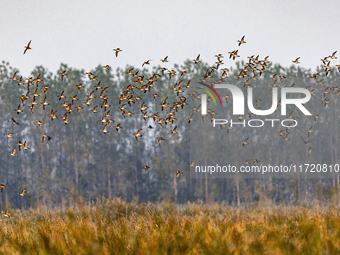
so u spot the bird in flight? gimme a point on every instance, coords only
(39, 123)
(9, 135)
(197, 60)
(45, 136)
(245, 142)
(6, 214)
(192, 163)
(118, 127)
(2, 187)
(146, 167)
(28, 47)
(117, 50)
(241, 41)
(24, 146)
(13, 152)
(309, 149)
(165, 59)
(138, 134)
(160, 139)
(105, 129)
(174, 131)
(23, 193)
(146, 62)
(296, 61)
(63, 74)
(14, 78)
(178, 173)
(14, 122)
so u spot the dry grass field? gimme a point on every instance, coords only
(117, 227)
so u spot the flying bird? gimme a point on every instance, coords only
(241, 41)
(197, 60)
(160, 139)
(138, 134)
(28, 47)
(178, 173)
(146, 167)
(165, 59)
(9, 135)
(2, 187)
(146, 62)
(296, 61)
(192, 163)
(117, 51)
(13, 152)
(6, 214)
(14, 122)
(23, 193)
(245, 142)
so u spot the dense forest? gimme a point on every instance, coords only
(79, 161)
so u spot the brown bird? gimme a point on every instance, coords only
(160, 139)
(94, 110)
(309, 130)
(44, 103)
(197, 60)
(309, 149)
(105, 129)
(118, 127)
(117, 50)
(45, 136)
(20, 81)
(24, 146)
(62, 95)
(18, 110)
(178, 173)
(174, 131)
(190, 119)
(6, 214)
(14, 122)
(14, 78)
(146, 167)
(245, 142)
(28, 47)
(146, 62)
(192, 163)
(138, 134)
(2, 187)
(241, 41)
(296, 61)
(165, 59)
(39, 123)
(9, 135)
(333, 55)
(79, 86)
(13, 152)
(23, 193)
(63, 74)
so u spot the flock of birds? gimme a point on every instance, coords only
(254, 66)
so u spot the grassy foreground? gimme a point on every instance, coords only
(117, 227)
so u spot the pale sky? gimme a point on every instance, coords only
(83, 34)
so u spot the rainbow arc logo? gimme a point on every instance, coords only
(209, 93)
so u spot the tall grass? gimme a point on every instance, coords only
(117, 227)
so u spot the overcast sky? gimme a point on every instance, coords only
(83, 34)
